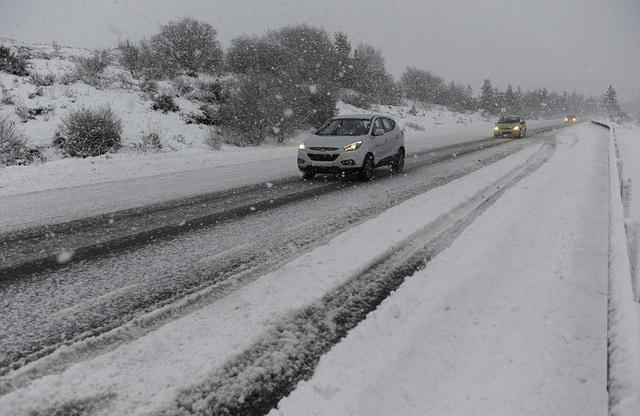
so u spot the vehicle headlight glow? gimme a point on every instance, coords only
(516, 127)
(496, 128)
(302, 146)
(352, 146)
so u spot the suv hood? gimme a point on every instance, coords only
(332, 141)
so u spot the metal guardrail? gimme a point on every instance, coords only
(623, 355)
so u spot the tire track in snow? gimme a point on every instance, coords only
(255, 381)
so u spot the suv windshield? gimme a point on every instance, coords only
(345, 127)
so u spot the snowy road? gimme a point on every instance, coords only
(201, 241)
(514, 308)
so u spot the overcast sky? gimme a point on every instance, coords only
(572, 45)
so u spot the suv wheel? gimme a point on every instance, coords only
(367, 168)
(398, 163)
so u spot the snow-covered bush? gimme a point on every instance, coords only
(26, 113)
(164, 102)
(6, 97)
(206, 115)
(152, 140)
(149, 86)
(89, 132)
(13, 145)
(211, 91)
(91, 69)
(189, 45)
(141, 60)
(11, 63)
(42, 80)
(130, 57)
(183, 86)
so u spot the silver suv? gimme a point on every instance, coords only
(353, 143)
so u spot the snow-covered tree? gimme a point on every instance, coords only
(512, 106)
(370, 76)
(343, 53)
(610, 102)
(487, 98)
(189, 46)
(289, 80)
(423, 86)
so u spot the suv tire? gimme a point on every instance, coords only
(366, 173)
(398, 163)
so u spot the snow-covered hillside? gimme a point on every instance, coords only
(38, 110)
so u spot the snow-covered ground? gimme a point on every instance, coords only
(510, 319)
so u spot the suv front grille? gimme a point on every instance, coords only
(324, 149)
(323, 157)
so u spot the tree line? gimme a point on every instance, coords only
(292, 78)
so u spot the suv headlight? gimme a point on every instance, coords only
(516, 127)
(496, 128)
(352, 146)
(302, 146)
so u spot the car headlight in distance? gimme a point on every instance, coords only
(496, 128)
(516, 127)
(302, 146)
(566, 119)
(352, 146)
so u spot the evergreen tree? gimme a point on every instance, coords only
(510, 101)
(610, 102)
(487, 98)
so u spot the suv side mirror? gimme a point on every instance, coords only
(378, 132)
